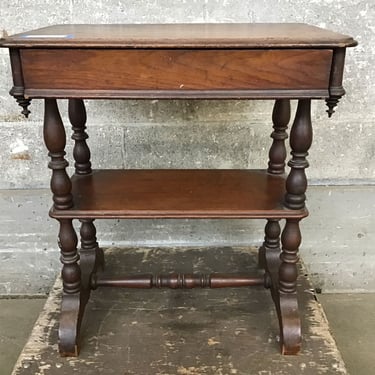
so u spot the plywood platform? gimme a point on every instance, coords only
(187, 332)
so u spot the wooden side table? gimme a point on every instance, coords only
(196, 61)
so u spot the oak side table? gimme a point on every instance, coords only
(179, 61)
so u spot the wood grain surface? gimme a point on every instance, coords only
(167, 69)
(178, 193)
(209, 35)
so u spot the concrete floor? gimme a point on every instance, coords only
(352, 321)
(350, 316)
(17, 317)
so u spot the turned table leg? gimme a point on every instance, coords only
(277, 153)
(71, 307)
(81, 151)
(290, 324)
(296, 184)
(55, 140)
(91, 255)
(300, 142)
(276, 166)
(269, 252)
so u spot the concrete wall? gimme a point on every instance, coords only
(200, 134)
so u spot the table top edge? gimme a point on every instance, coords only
(194, 35)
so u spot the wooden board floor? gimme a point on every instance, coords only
(187, 332)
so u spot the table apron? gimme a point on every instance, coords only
(176, 73)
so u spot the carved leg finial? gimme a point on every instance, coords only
(331, 104)
(18, 90)
(277, 153)
(24, 103)
(336, 91)
(300, 142)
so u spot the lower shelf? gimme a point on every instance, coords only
(181, 193)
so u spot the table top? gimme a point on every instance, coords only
(209, 35)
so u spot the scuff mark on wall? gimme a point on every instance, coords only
(19, 150)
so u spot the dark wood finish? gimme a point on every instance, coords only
(300, 142)
(178, 193)
(18, 90)
(222, 61)
(178, 324)
(87, 39)
(176, 69)
(91, 256)
(271, 244)
(177, 94)
(71, 274)
(336, 91)
(55, 140)
(81, 152)
(71, 307)
(179, 281)
(221, 35)
(277, 153)
(290, 325)
(281, 276)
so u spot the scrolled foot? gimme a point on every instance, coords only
(70, 324)
(286, 303)
(290, 324)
